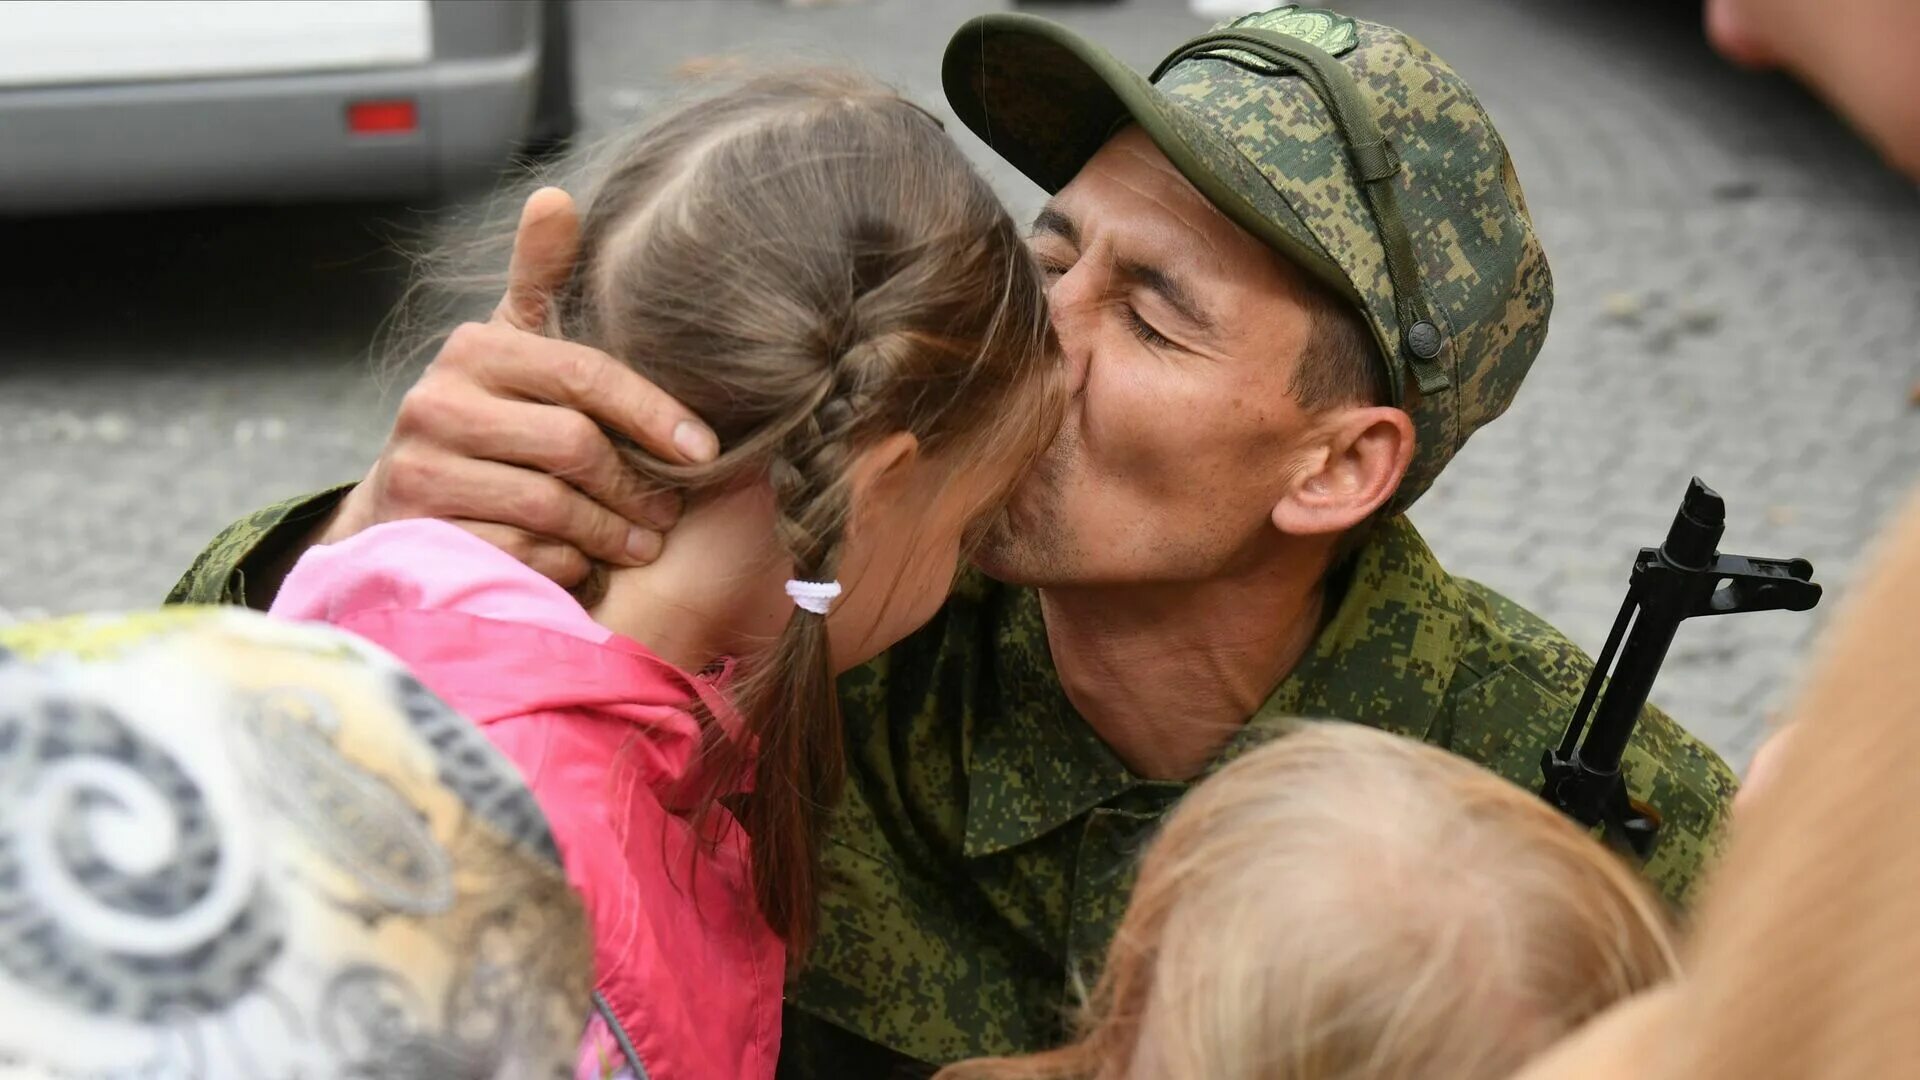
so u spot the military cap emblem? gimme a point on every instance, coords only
(1328, 31)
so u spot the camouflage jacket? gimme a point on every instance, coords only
(985, 848)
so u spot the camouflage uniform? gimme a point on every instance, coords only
(985, 849)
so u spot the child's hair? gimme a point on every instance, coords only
(808, 262)
(1346, 904)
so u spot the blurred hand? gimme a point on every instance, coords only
(502, 435)
(1858, 54)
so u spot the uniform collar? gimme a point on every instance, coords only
(1033, 764)
(1388, 655)
(1385, 658)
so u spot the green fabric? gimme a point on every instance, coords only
(1260, 143)
(984, 852)
(1375, 165)
(219, 575)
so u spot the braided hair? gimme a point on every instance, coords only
(810, 264)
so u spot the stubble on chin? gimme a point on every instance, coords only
(997, 553)
(1020, 546)
(1024, 543)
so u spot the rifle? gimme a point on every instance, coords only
(1685, 576)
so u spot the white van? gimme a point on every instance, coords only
(115, 104)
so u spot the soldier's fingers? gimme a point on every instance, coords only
(545, 247)
(562, 565)
(552, 439)
(426, 481)
(570, 446)
(588, 381)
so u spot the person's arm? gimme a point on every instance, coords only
(482, 440)
(1858, 54)
(246, 562)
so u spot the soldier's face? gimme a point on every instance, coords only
(1183, 332)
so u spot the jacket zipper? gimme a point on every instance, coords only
(620, 1036)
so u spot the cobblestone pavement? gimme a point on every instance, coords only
(1739, 297)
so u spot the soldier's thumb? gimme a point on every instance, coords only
(544, 249)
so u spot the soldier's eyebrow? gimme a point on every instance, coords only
(1054, 223)
(1171, 290)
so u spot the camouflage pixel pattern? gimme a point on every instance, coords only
(985, 849)
(219, 574)
(1263, 147)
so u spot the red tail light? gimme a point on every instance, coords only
(398, 117)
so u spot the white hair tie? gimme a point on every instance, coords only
(814, 596)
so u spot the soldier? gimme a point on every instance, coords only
(1293, 272)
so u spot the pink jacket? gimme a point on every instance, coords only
(687, 975)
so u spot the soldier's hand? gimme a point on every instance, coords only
(502, 433)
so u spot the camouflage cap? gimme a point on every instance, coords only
(1344, 145)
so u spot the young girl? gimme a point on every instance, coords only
(1345, 904)
(810, 264)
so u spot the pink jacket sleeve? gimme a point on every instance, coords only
(500, 643)
(432, 566)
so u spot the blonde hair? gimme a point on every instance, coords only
(1344, 903)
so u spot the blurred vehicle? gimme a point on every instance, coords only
(107, 105)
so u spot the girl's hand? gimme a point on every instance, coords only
(502, 434)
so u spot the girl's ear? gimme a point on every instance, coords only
(1354, 469)
(881, 467)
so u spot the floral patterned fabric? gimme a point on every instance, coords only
(232, 847)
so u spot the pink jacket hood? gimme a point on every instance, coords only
(687, 974)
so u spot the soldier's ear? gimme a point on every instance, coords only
(1352, 469)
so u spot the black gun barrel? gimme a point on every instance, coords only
(1689, 550)
(1685, 576)
(1694, 537)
